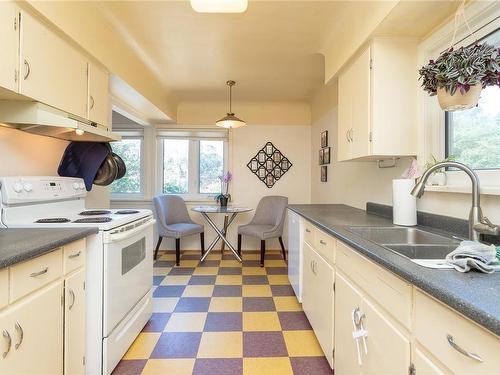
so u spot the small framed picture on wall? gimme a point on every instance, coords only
(326, 155)
(324, 173)
(324, 139)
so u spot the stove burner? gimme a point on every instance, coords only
(93, 220)
(126, 212)
(53, 220)
(94, 212)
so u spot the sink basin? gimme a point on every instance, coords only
(398, 235)
(422, 251)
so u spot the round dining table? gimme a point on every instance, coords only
(230, 213)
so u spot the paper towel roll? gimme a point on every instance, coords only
(404, 205)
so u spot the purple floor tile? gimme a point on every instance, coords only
(255, 280)
(190, 257)
(310, 365)
(209, 263)
(202, 280)
(230, 271)
(217, 366)
(157, 322)
(277, 270)
(177, 345)
(224, 322)
(251, 263)
(227, 291)
(293, 320)
(251, 252)
(181, 271)
(164, 263)
(157, 280)
(282, 290)
(129, 367)
(228, 256)
(274, 256)
(258, 304)
(264, 344)
(169, 291)
(193, 304)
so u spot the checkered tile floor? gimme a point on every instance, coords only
(221, 317)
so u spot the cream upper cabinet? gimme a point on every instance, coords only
(9, 40)
(377, 102)
(51, 70)
(32, 332)
(99, 108)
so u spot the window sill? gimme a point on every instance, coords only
(464, 189)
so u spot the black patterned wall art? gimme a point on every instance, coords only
(269, 164)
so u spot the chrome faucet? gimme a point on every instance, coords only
(478, 223)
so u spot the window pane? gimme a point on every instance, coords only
(211, 166)
(130, 151)
(175, 166)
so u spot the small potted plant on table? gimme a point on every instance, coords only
(223, 198)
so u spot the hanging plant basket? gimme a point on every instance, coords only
(458, 101)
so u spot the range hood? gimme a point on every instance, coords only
(41, 119)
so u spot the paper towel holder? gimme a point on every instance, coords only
(392, 162)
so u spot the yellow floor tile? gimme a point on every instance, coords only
(250, 256)
(143, 345)
(302, 344)
(198, 291)
(287, 304)
(278, 279)
(186, 322)
(167, 257)
(257, 291)
(164, 304)
(176, 280)
(230, 263)
(169, 366)
(160, 271)
(267, 366)
(249, 271)
(221, 345)
(188, 263)
(229, 280)
(274, 263)
(210, 271)
(261, 321)
(226, 304)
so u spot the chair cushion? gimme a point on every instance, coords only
(257, 230)
(182, 229)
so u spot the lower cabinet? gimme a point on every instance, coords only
(317, 298)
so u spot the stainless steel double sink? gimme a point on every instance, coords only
(413, 243)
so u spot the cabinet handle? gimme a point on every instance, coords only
(35, 274)
(75, 255)
(20, 333)
(322, 242)
(347, 136)
(6, 336)
(308, 231)
(28, 69)
(455, 346)
(72, 295)
(351, 131)
(92, 102)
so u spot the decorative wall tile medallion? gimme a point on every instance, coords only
(269, 164)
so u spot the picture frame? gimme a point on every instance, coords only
(324, 139)
(326, 155)
(324, 173)
(320, 157)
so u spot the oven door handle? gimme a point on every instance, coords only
(120, 236)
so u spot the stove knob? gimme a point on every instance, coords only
(76, 186)
(18, 187)
(28, 187)
(82, 186)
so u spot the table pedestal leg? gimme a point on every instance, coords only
(220, 235)
(224, 231)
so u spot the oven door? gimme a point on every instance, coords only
(128, 270)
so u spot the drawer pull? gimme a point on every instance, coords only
(455, 346)
(322, 242)
(72, 256)
(6, 336)
(20, 333)
(39, 273)
(72, 295)
(308, 231)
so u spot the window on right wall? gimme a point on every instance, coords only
(473, 135)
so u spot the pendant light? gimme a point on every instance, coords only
(230, 121)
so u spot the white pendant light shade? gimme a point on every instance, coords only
(219, 6)
(230, 121)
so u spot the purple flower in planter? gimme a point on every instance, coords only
(226, 177)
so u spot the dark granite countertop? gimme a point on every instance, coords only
(19, 244)
(475, 295)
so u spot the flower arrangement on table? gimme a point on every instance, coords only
(223, 198)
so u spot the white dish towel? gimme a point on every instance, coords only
(472, 255)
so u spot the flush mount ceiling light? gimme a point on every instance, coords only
(219, 6)
(230, 121)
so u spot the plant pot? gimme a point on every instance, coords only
(458, 101)
(223, 201)
(437, 179)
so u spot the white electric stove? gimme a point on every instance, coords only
(119, 258)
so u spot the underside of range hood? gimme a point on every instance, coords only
(41, 119)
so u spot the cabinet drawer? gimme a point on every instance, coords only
(435, 322)
(73, 256)
(4, 287)
(33, 274)
(325, 246)
(387, 289)
(309, 232)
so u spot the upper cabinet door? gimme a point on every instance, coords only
(52, 71)
(9, 37)
(344, 116)
(99, 108)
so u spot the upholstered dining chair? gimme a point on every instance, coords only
(174, 222)
(267, 223)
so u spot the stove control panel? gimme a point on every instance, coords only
(25, 189)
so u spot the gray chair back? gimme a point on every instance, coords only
(170, 209)
(271, 211)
